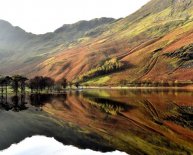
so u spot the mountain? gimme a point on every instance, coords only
(20, 51)
(153, 44)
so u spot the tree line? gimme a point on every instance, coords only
(109, 66)
(38, 84)
(162, 83)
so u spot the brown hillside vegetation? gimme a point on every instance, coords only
(141, 41)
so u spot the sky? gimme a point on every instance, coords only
(41, 16)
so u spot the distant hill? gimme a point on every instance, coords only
(20, 50)
(153, 44)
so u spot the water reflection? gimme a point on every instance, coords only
(40, 145)
(14, 103)
(133, 121)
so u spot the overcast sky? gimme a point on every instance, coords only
(40, 16)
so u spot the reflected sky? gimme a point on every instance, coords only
(41, 145)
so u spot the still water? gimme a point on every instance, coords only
(102, 121)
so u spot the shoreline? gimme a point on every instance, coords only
(188, 88)
(144, 88)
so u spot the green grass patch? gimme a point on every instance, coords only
(97, 81)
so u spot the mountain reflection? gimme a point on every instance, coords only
(132, 121)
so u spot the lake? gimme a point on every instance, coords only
(117, 122)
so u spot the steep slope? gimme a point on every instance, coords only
(20, 50)
(139, 41)
(147, 43)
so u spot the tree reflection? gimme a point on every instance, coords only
(15, 103)
(4, 104)
(39, 100)
(18, 103)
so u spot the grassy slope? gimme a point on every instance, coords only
(139, 40)
(27, 50)
(133, 40)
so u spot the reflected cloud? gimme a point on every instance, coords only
(41, 145)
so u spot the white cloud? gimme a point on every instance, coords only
(40, 16)
(40, 145)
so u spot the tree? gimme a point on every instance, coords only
(58, 87)
(64, 83)
(123, 82)
(109, 66)
(31, 85)
(8, 80)
(18, 81)
(40, 83)
(70, 84)
(48, 82)
(77, 84)
(2, 83)
(23, 83)
(15, 83)
(36, 84)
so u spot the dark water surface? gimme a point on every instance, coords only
(132, 121)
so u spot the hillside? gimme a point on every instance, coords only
(153, 44)
(20, 51)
